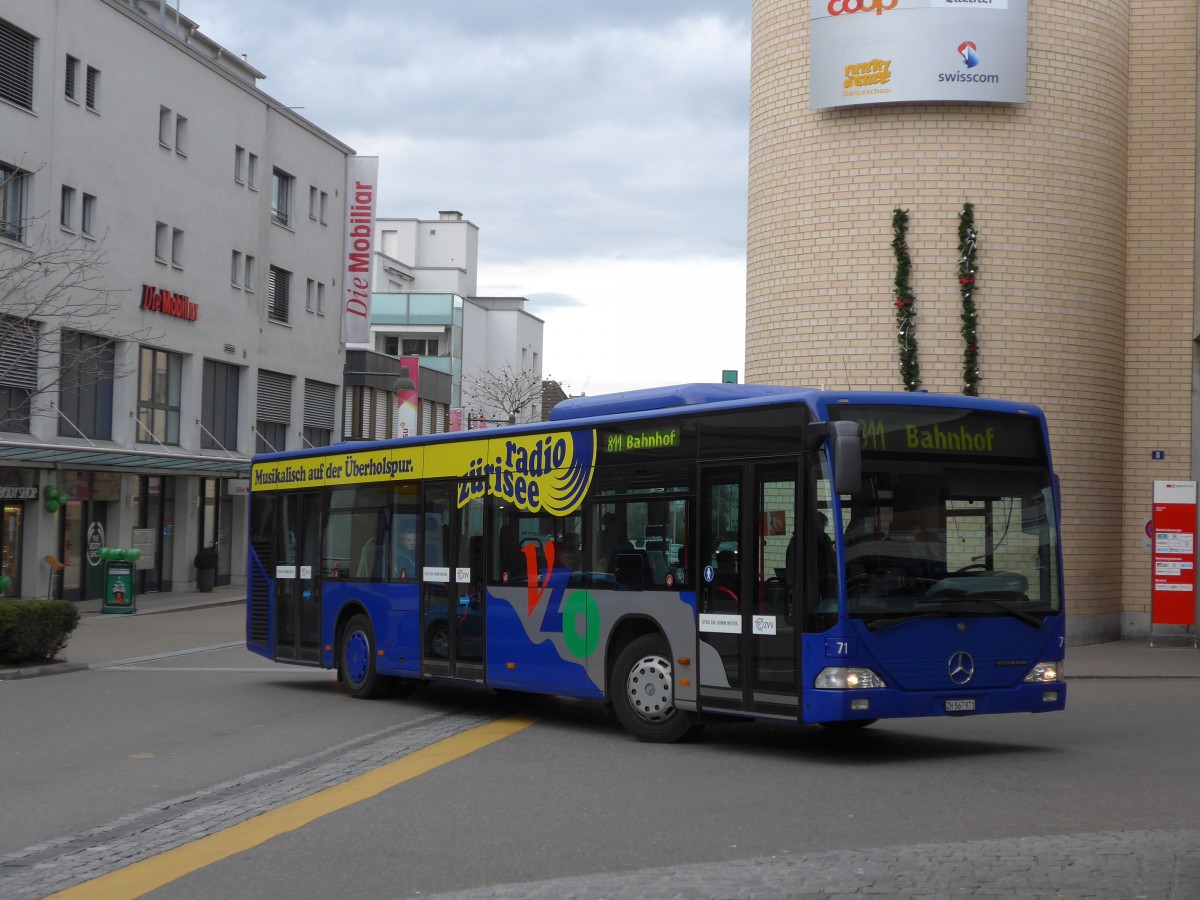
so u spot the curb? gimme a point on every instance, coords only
(44, 669)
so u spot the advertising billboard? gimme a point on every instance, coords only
(907, 51)
(362, 176)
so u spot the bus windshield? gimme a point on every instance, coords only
(954, 517)
(928, 539)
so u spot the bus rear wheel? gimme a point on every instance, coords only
(356, 663)
(642, 687)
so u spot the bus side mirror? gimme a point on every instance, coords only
(847, 453)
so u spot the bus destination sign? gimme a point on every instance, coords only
(659, 439)
(926, 431)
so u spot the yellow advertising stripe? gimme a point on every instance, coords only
(150, 874)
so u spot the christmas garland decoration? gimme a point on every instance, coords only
(910, 368)
(967, 270)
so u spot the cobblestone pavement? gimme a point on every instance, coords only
(1113, 865)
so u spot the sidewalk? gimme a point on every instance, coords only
(218, 619)
(163, 623)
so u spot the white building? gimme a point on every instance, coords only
(425, 306)
(211, 218)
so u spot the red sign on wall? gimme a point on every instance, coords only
(1174, 595)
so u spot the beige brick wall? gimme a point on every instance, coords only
(1084, 204)
(1161, 253)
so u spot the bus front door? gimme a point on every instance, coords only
(749, 651)
(452, 594)
(297, 580)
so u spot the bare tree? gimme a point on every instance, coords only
(502, 397)
(52, 286)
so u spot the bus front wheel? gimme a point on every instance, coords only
(643, 689)
(356, 664)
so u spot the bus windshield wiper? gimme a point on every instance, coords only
(999, 605)
(880, 624)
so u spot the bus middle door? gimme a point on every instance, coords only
(298, 579)
(452, 591)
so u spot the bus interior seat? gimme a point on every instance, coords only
(368, 561)
(628, 571)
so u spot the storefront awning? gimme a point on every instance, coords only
(146, 462)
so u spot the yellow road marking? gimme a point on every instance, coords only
(150, 874)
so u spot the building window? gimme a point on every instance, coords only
(66, 211)
(71, 84)
(312, 202)
(319, 399)
(177, 247)
(274, 411)
(86, 386)
(420, 347)
(239, 163)
(219, 406)
(14, 409)
(162, 242)
(391, 345)
(320, 299)
(16, 75)
(281, 197)
(87, 219)
(18, 371)
(310, 296)
(369, 414)
(13, 186)
(324, 206)
(164, 126)
(235, 269)
(252, 171)
(248, 281)
(160, 381)
(181, 135)
(279, 285)
(93, 88)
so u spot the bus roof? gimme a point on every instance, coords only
(697, 397)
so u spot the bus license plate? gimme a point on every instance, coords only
(963, 705)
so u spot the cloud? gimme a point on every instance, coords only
(561, 129)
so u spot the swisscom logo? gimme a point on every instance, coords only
(969, 53)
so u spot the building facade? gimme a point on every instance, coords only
(425, 307)
(1084, 206)
(171, 245)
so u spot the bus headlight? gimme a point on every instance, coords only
(1045, 672)
(843, 678)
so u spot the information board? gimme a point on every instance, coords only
(1173, 600)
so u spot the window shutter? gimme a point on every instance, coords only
(16, 66)
(274, 397)
(18, 353)
(318, 404)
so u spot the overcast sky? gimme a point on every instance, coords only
(599, 145)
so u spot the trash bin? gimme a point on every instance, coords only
(118, 587)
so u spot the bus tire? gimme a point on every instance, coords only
(356, 663)
(642, 688)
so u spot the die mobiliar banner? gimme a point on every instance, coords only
(362, 183)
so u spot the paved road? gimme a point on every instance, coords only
(1138, 859)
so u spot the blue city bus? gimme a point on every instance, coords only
(682, 553)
